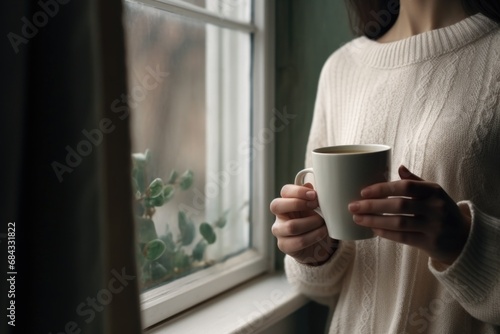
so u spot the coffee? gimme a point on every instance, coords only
(334, 150)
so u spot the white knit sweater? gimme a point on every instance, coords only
(434, 98)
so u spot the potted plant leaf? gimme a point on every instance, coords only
(163, 258)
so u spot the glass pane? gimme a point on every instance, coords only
(189, 91)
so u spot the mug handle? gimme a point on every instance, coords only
(300, 180)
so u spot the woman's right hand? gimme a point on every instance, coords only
(300, 231)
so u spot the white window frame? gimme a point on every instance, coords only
(170, 299)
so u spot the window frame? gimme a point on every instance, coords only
(168, 300)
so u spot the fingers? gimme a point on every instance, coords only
(303, 238)
(394, 205)
(410, 185)
(305, 192)
(293, 244)
(408, 230)
(405, 188)
(392, 223)
(294, 199)
(282, 206)
(295, 227)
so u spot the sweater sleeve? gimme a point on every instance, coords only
(474, 278)
(321, 283)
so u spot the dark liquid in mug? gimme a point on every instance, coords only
(349, 151)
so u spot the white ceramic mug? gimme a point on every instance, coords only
(340, 173)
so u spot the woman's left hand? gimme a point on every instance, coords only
(416, 213)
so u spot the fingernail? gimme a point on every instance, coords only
(353, 207)
(357, 219)
(404, 172)
(365, 192)
(311, 194)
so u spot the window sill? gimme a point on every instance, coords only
(249, 308)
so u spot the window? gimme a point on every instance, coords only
(202, 129)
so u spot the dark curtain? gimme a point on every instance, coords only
(66, 198)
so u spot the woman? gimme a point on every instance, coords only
(425, 80)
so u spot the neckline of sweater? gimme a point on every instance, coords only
(423, 46)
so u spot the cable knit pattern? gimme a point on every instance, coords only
(435, 99)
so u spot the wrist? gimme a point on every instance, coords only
(461, 237)
(322, 254)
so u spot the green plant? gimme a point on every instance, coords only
(168, 256)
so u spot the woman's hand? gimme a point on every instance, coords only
(414, 212)
(300, 231)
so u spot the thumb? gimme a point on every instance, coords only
(405, 174)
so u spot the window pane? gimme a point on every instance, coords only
(189, 91)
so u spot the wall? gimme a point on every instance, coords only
(307, 32)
